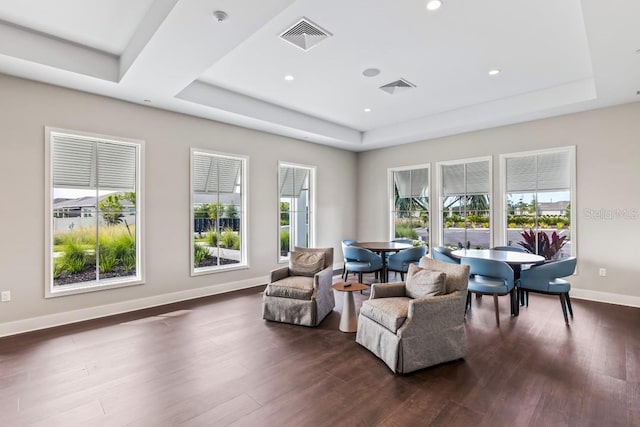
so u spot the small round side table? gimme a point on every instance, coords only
(348, 318)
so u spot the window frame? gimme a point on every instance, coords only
(440, 182)
(571, 149)
(244, 191)
(391, 199)
(312, 205)
(111, 283)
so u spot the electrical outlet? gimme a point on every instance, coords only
(603, 272)
(5, 296)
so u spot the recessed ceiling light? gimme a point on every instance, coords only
(367, 110)
(434, 4)
(289, 77)
(220, 16)
(494, 72)
(371, 72)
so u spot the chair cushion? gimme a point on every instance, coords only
(388, 312)
(487, 285)
(305, 263)
(559, 286)
(422, 283)
(297, 287)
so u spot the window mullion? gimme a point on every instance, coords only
(97, 219)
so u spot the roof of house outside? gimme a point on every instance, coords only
(84, 202)
(553, 206)
(224, 198)
(199, 199)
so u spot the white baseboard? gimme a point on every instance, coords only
(605, 297)
(67, 317)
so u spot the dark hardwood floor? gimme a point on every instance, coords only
(215, 362)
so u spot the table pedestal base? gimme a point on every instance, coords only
(348, 319)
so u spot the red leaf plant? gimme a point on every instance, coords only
(539, 243)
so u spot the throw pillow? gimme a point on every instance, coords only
(328, 253)
(305, 263)
(422, 283)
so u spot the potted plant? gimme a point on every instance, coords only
(540, 243)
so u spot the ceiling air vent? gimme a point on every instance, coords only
(398, 86)
(305, 34)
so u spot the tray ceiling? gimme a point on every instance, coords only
(553, 58)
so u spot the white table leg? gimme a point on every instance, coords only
(348, 319)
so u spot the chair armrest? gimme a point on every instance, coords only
(279, 274)
(387, 290)
(323, 278)
(434, 313)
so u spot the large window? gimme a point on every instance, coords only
(218, 214)
(465, 193)
(410, 203)
(93, 227)
(538, 198)
(296, 184)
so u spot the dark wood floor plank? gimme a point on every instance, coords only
(214, 361)
(609, 355)
(633, 361)
(226, 413)
(416, 410)
(454, 415)
(79, 416)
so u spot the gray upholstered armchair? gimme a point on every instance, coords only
(301, 293)
(410, 333)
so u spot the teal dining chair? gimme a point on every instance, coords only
(399, 262)
(398, 240)
(508, 248)
(440, 253)
(547, 279)
(491, 277)
(345, 243)
(402, 240)
(361, 261)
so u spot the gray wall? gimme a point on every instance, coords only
(27, 107)
(608, 176)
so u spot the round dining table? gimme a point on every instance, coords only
(512, 258)
(382, 248)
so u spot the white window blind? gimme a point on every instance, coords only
(90, 163)
(542, 172)
(292, 181)
(476, 180)
(215, 174)
(412, 183)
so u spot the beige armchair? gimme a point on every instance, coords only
(299, 293)
(413, 333)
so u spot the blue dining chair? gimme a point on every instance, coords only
(398, 240)
(490, 277)
(361, 261)
(399, 262)
(509, 248)
(516, 268)
(546, 279)
(440, 253)
(345, 243)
